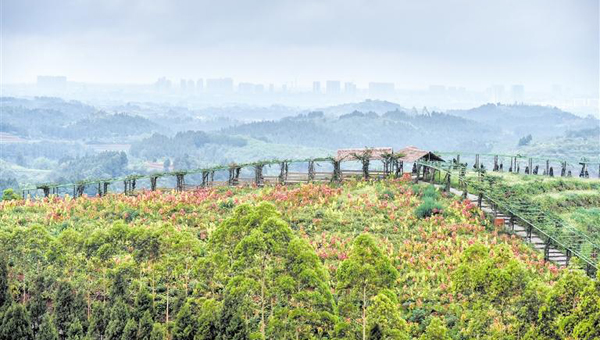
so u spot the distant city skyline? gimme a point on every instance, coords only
(412, 44)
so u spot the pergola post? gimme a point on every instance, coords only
(311, 170)
(283, 173)
(258, 174)
(180, 177)
(337, 171)
(153, 180)
(204, 178)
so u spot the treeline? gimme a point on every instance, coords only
(183, 143)
(108, 164)
(397, 129)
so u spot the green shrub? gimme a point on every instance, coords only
(428, 208)
(430, 191)
(9, 195)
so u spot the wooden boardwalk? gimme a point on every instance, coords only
(528, 236)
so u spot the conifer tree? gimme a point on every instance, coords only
(4, 295)
(119, 315)
(16, 324)
(64, 307)
(47, 329)
(186, 322)
(98, 320)
(145, 326)
(75, 331)
(159, 332)
(130, 330)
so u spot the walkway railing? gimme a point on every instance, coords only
(553, 232)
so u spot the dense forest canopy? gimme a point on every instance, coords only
(364, 260)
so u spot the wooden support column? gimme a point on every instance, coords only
(479, 200)
(180, 177)
(45, 189)
(99, 189)
(496, 166)
(79, 190)
(258, 175)
(365, 168)
(153, 181)
(568, 254)
(205, 178)
(337, 171)
(311, 170)
(547, 168)
(106, 184)
(283, 173)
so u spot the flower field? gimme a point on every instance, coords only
(363, 260)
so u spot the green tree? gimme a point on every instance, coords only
(365, 272)
(436, 330)
(38, 302)
(16, 324)
(561, 301)
(47, 330)
(307, 306)
(231, 323)
(9, 195)
(4, 295)
(65, 307)
(385, 317)
(75, 331)
(119, 315)
(186, 322)
(98, 320)
(130, 330)
(145, 327)
(159, 332)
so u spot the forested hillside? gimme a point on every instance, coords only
(362, 260)
(357, 129)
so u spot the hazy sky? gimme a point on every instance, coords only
(411, 43)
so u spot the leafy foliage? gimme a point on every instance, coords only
(348, 261)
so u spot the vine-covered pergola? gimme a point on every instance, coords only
(392, 164)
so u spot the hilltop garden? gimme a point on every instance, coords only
(363, 260)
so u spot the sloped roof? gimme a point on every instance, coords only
(376, 153)
(413, 154)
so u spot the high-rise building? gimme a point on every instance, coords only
(219, 86)
(517, 93)
(163, 85)
(381, 90)
(497, 94)
(350, 89)
(200, 85)
(334, 87)
(191, 86)
(316, 87)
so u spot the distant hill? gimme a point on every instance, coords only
(520, 120)
(376, 106)
(358, 129)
